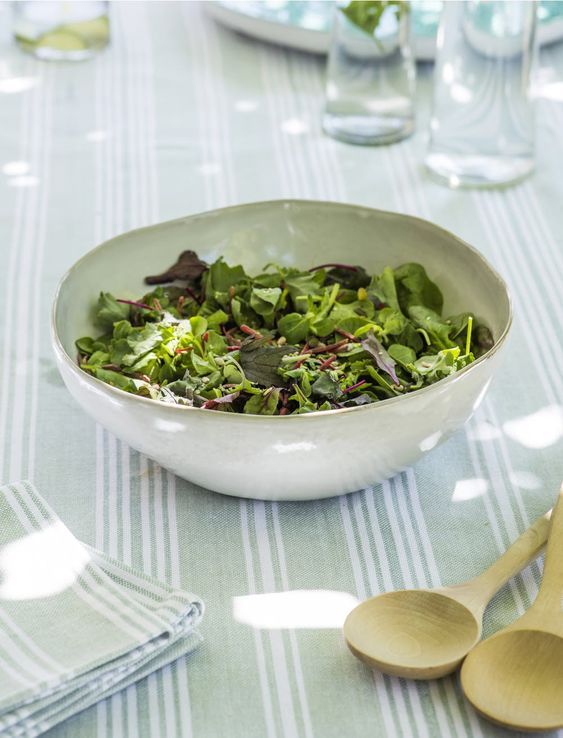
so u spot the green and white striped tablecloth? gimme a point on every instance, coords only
(179, 116)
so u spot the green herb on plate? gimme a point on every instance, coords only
(367, 14)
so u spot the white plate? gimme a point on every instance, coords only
(305, 24)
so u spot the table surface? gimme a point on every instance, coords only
(177, 117)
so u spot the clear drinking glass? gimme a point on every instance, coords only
(482, 126)
(370, 74)
(61, 30)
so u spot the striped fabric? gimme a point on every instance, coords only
(75, 625)
(179, 116)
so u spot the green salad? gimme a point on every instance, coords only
(283, 342)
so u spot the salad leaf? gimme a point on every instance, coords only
(109, 311)
(367, 14)
(189, 267)
(288, 341)
(430, 322)
(294, 327)
(382, 358)
(415, 288)
(260, 362)
(326, 387)
(265, 403)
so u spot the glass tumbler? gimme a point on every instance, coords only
(370, 73)
(482, 125)
(61, 31)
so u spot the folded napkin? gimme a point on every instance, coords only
(75, 625)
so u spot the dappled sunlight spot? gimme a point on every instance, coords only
(551, 91)
(286, 448)
(13, 168)
(298, 608)
(41, 564)
(548, 85)
(428, 443)
(538, 430)
(468, 489)
(461, 94)
(97, 136)
(484, 432)
(209, 169)
(448, 73)
(26, 180)
(11, 85)
(246, 106)
(525, 480)
(295, 126)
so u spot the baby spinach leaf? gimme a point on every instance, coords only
(264, 300)
(221, 276)
(324, 327)
(389, 289)
(433, 324)
(394, 322)
(138, 342)
(403, 355)
(415, 288)
(198, 325)
(294, 327)
(109, 311)
(216, 319)
(202, 366)
(410, 337)
(85, 345)
(301, 286)
(243, 314)
(326, 387)
(271, 279)
(115, 379)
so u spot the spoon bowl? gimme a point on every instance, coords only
(417, 633)
(426, 633)
(515, 678)
(521, 685)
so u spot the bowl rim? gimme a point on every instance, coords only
(61, 352)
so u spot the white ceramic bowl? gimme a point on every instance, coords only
(296, 457)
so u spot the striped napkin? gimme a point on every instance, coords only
(75, 625)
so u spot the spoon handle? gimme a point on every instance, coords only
(524, 550)
(550, 596)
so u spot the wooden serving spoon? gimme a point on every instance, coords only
(426, 633)
(515, 678)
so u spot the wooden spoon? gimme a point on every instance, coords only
(426, 633)
(515, 678)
